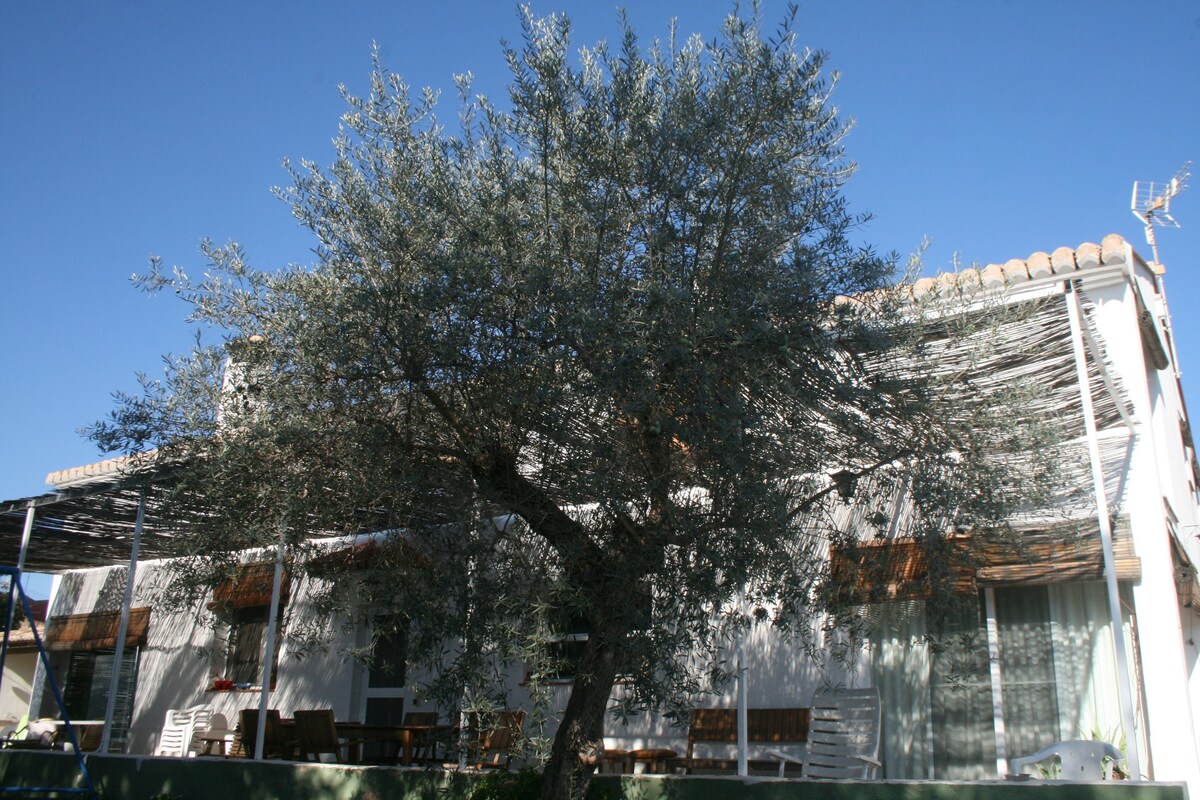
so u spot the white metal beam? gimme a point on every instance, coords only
(743, 735)
(264, 699)
(1124, 676)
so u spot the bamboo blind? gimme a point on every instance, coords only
(97, 630)
(894, 570)
(250, 587)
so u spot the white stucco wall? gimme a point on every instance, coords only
(175, 665)
(17, 686)
(1157, 471)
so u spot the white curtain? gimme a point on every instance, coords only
(1058, 676)
(1084, 662)
(900, 662)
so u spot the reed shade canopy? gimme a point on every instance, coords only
(92, 524)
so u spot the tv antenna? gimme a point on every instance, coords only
(1152, 203)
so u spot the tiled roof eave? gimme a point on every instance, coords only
(1094, 263)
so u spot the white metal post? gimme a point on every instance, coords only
(114, 682)
(264, 698)
(26, 535)
(743, 743)
(1124, 677)
(993, 645)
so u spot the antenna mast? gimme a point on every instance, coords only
(1151, 204)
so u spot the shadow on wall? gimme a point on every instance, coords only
(780, 673)
(175, 666)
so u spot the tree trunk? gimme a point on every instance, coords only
(579, 744)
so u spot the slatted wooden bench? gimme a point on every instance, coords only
(718, 726)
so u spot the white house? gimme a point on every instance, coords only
(1037, 657)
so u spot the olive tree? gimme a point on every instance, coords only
(586, 356)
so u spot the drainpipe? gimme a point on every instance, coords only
(1124, 680)
(114, 682)
(264, 698)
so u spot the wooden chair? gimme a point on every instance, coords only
(718, 726)
(275, 743)
(843, 736)
(494, 747)
(318, 735)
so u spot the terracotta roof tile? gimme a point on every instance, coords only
(1062, 262)
(99, 471)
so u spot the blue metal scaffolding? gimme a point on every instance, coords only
(17, 591)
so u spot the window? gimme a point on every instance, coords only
(241, 637)
(387, 674)
(570, 638)
(242, 606)
(247, 635)
(85, 690)
(1057, 679)
(389, 660)
(82, 649)
(566, 650)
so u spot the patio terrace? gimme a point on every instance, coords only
(119, 777)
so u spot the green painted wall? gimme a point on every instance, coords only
(142, 778)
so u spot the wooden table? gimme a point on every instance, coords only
(617, 760)
(404, 736)
(215, 739)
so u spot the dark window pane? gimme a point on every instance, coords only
(85, 692)
(77, 689)
(1027, 669)
(385, 710)
(247, 635)
(964, 745)
(565, 656)
(389, 660)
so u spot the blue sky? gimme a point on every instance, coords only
(135, 129)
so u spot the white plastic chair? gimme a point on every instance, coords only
(843, 736)
(179, 731)
(1080, 760)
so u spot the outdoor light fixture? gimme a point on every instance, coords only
(845, 480)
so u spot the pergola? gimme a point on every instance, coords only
(109, 521)
(92, 526)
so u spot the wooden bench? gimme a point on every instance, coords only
(775, 726)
